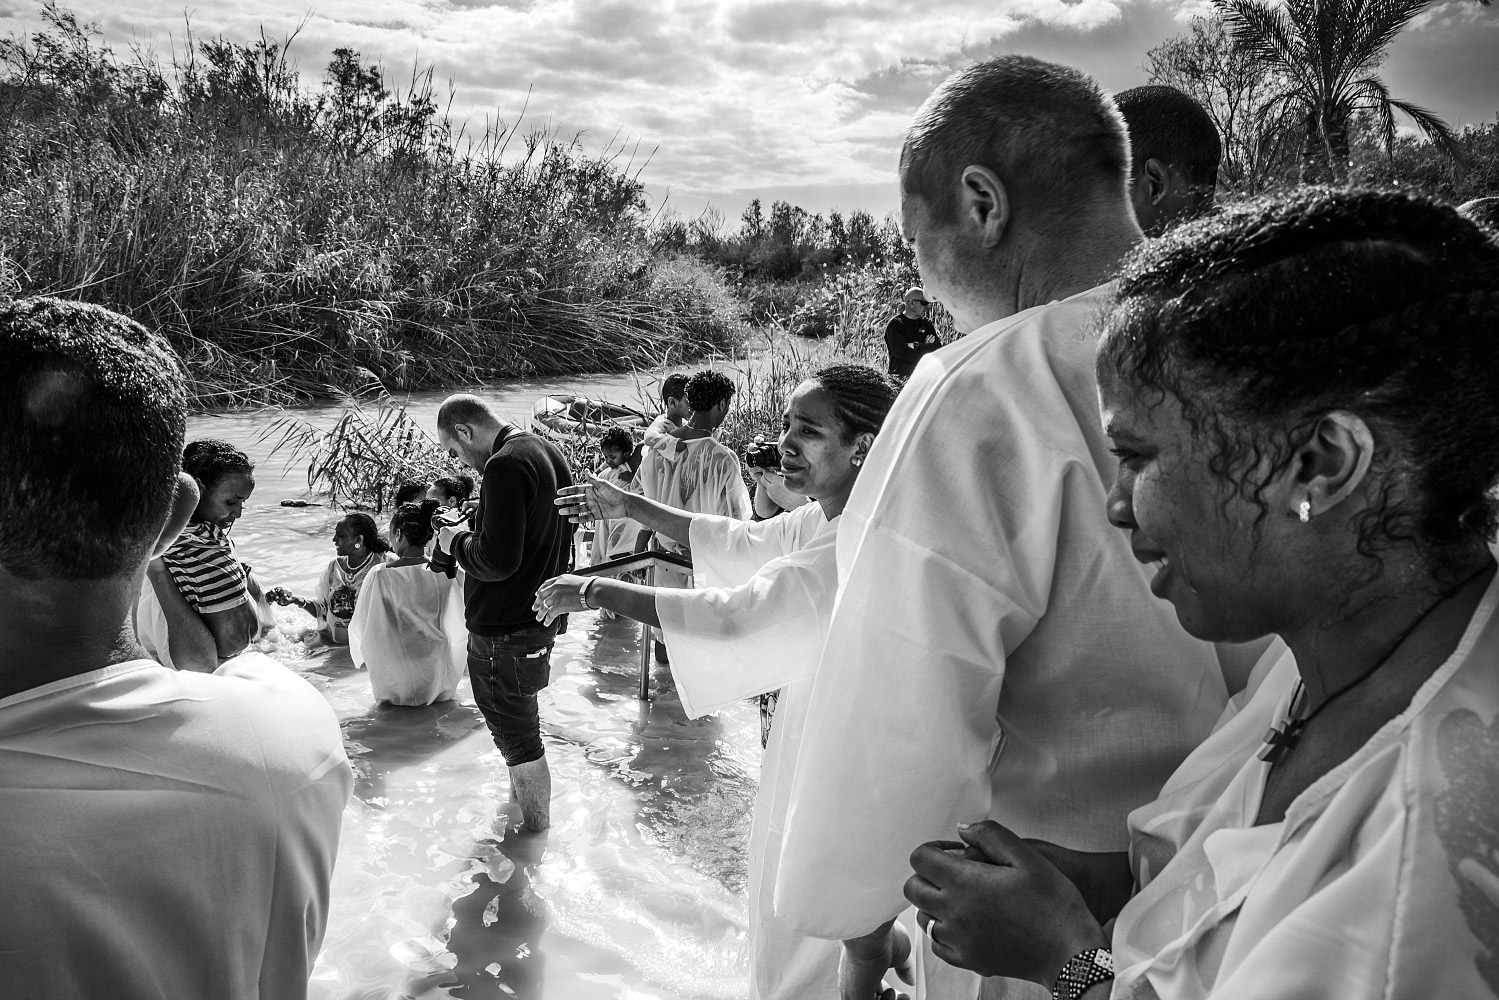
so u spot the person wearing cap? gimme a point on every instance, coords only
(910, 335)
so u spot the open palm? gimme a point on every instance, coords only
(592, 499)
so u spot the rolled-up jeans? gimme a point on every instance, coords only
(506, 672)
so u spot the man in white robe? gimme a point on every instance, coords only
(995, 650)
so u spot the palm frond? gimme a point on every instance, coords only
(1375, 28)
(1263, 31)
(1438, 131)
(1374, 97)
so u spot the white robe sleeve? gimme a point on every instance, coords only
(369, 603)
(727, 551)
(733, 643)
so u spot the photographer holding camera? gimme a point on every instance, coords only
(771, 495)
(516, 542)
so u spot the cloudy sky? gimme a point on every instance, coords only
(797, 99)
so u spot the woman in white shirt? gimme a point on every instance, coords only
(756, 623)
(408, 622)
(1304, 397)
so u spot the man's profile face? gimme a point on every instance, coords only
(460, 445)
(936, 252)
(915, 305)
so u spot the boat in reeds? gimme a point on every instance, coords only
(563, 417)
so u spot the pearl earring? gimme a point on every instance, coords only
(857, 460)
(1305, 511)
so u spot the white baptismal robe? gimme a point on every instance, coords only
(756, 624)
(1381, 882)
(995, 650)
(408, 631)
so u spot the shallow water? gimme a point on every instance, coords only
(637, 890)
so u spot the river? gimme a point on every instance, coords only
(637, 890)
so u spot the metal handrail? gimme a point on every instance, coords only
(649, 560)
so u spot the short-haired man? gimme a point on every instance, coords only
(517, 542)
(162, 833)
(1174, 154)
(995, 651)
(910, 336)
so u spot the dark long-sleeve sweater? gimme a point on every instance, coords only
(518, 539)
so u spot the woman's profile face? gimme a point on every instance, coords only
(1194, 533)
(815, 460)
(224, 502)
(347, 541)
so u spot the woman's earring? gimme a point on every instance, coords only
(857, 460)
(1305, 511)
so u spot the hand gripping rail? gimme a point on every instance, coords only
(648, 561)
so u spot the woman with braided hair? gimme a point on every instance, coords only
(755, 625)
(1304, 398)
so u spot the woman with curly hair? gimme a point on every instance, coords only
(1304, 398)
(360, 549)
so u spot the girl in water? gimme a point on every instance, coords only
(360, 549)
(408, 625)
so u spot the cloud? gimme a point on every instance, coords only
(739, 96)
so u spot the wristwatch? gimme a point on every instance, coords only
(1085, 969)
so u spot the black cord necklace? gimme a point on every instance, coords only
(1279, 740)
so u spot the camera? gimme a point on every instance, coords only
(441, 561)
(762, 454)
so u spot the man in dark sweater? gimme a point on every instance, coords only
(910, 335)
(517, 542)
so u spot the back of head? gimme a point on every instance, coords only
(674, 386)
(410, 491)
(209, 460)
(861, 396)
(458, 487)
(1050, 134)
(617, 439)
(465, 409)
(92, 413)
(1381, 304)
(1484, 211)
(707, 389)
(1166, 125)
(413, 521)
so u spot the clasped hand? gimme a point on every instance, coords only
(591, 500)
(995, 905)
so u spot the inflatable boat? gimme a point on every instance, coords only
(561, 417)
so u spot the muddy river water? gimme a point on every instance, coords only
(637, 890)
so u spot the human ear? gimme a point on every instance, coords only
(982, 200)
(184, 502)
(862, 444)
(1330, 466)
(1157, 178)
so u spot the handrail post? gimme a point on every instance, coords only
(650, 561)
(647, 638)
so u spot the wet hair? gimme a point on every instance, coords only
(459, 487)
(618, 439)
(674, 386)
(209, 460)
(413, 521)
(464, 409)
(410, 491)
(1484, 211)
(92, 414)
(1048, 132)
(1167, 125)
(707, 389)
(1280, 310)
(364, 527)
(861, 397)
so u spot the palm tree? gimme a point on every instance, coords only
(1329, 50)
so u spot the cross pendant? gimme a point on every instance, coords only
(1279, 740)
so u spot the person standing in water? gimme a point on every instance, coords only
(756, 626)
(360, 550)
(517, 542)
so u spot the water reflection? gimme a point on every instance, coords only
(636, 892)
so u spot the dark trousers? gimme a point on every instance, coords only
(506, 672)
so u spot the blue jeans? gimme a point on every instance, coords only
(506, 672)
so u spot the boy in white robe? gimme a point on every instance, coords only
(995, 650)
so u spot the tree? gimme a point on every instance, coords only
(1328, 51)
(1243, 95)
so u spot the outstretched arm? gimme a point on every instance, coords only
(595, 499)
(563, 595)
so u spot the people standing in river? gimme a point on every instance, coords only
(517, 541)
(163, 833)
(995, 650)
(756, 626)
(407, 628)
(1174, 154)
(674, 413)
(1305, 397)
(910, 336)
(201, 572)
(360, 550)
(615, 537)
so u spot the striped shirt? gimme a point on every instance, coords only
(202, 565)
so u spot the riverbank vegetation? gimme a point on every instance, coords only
(295, 240)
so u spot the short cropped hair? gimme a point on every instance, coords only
(674, 386)
(707, 389)
(92, 415)
(464, 409)
(411, 491)
(1167, 125)
(1046, 130)
(209, 460)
